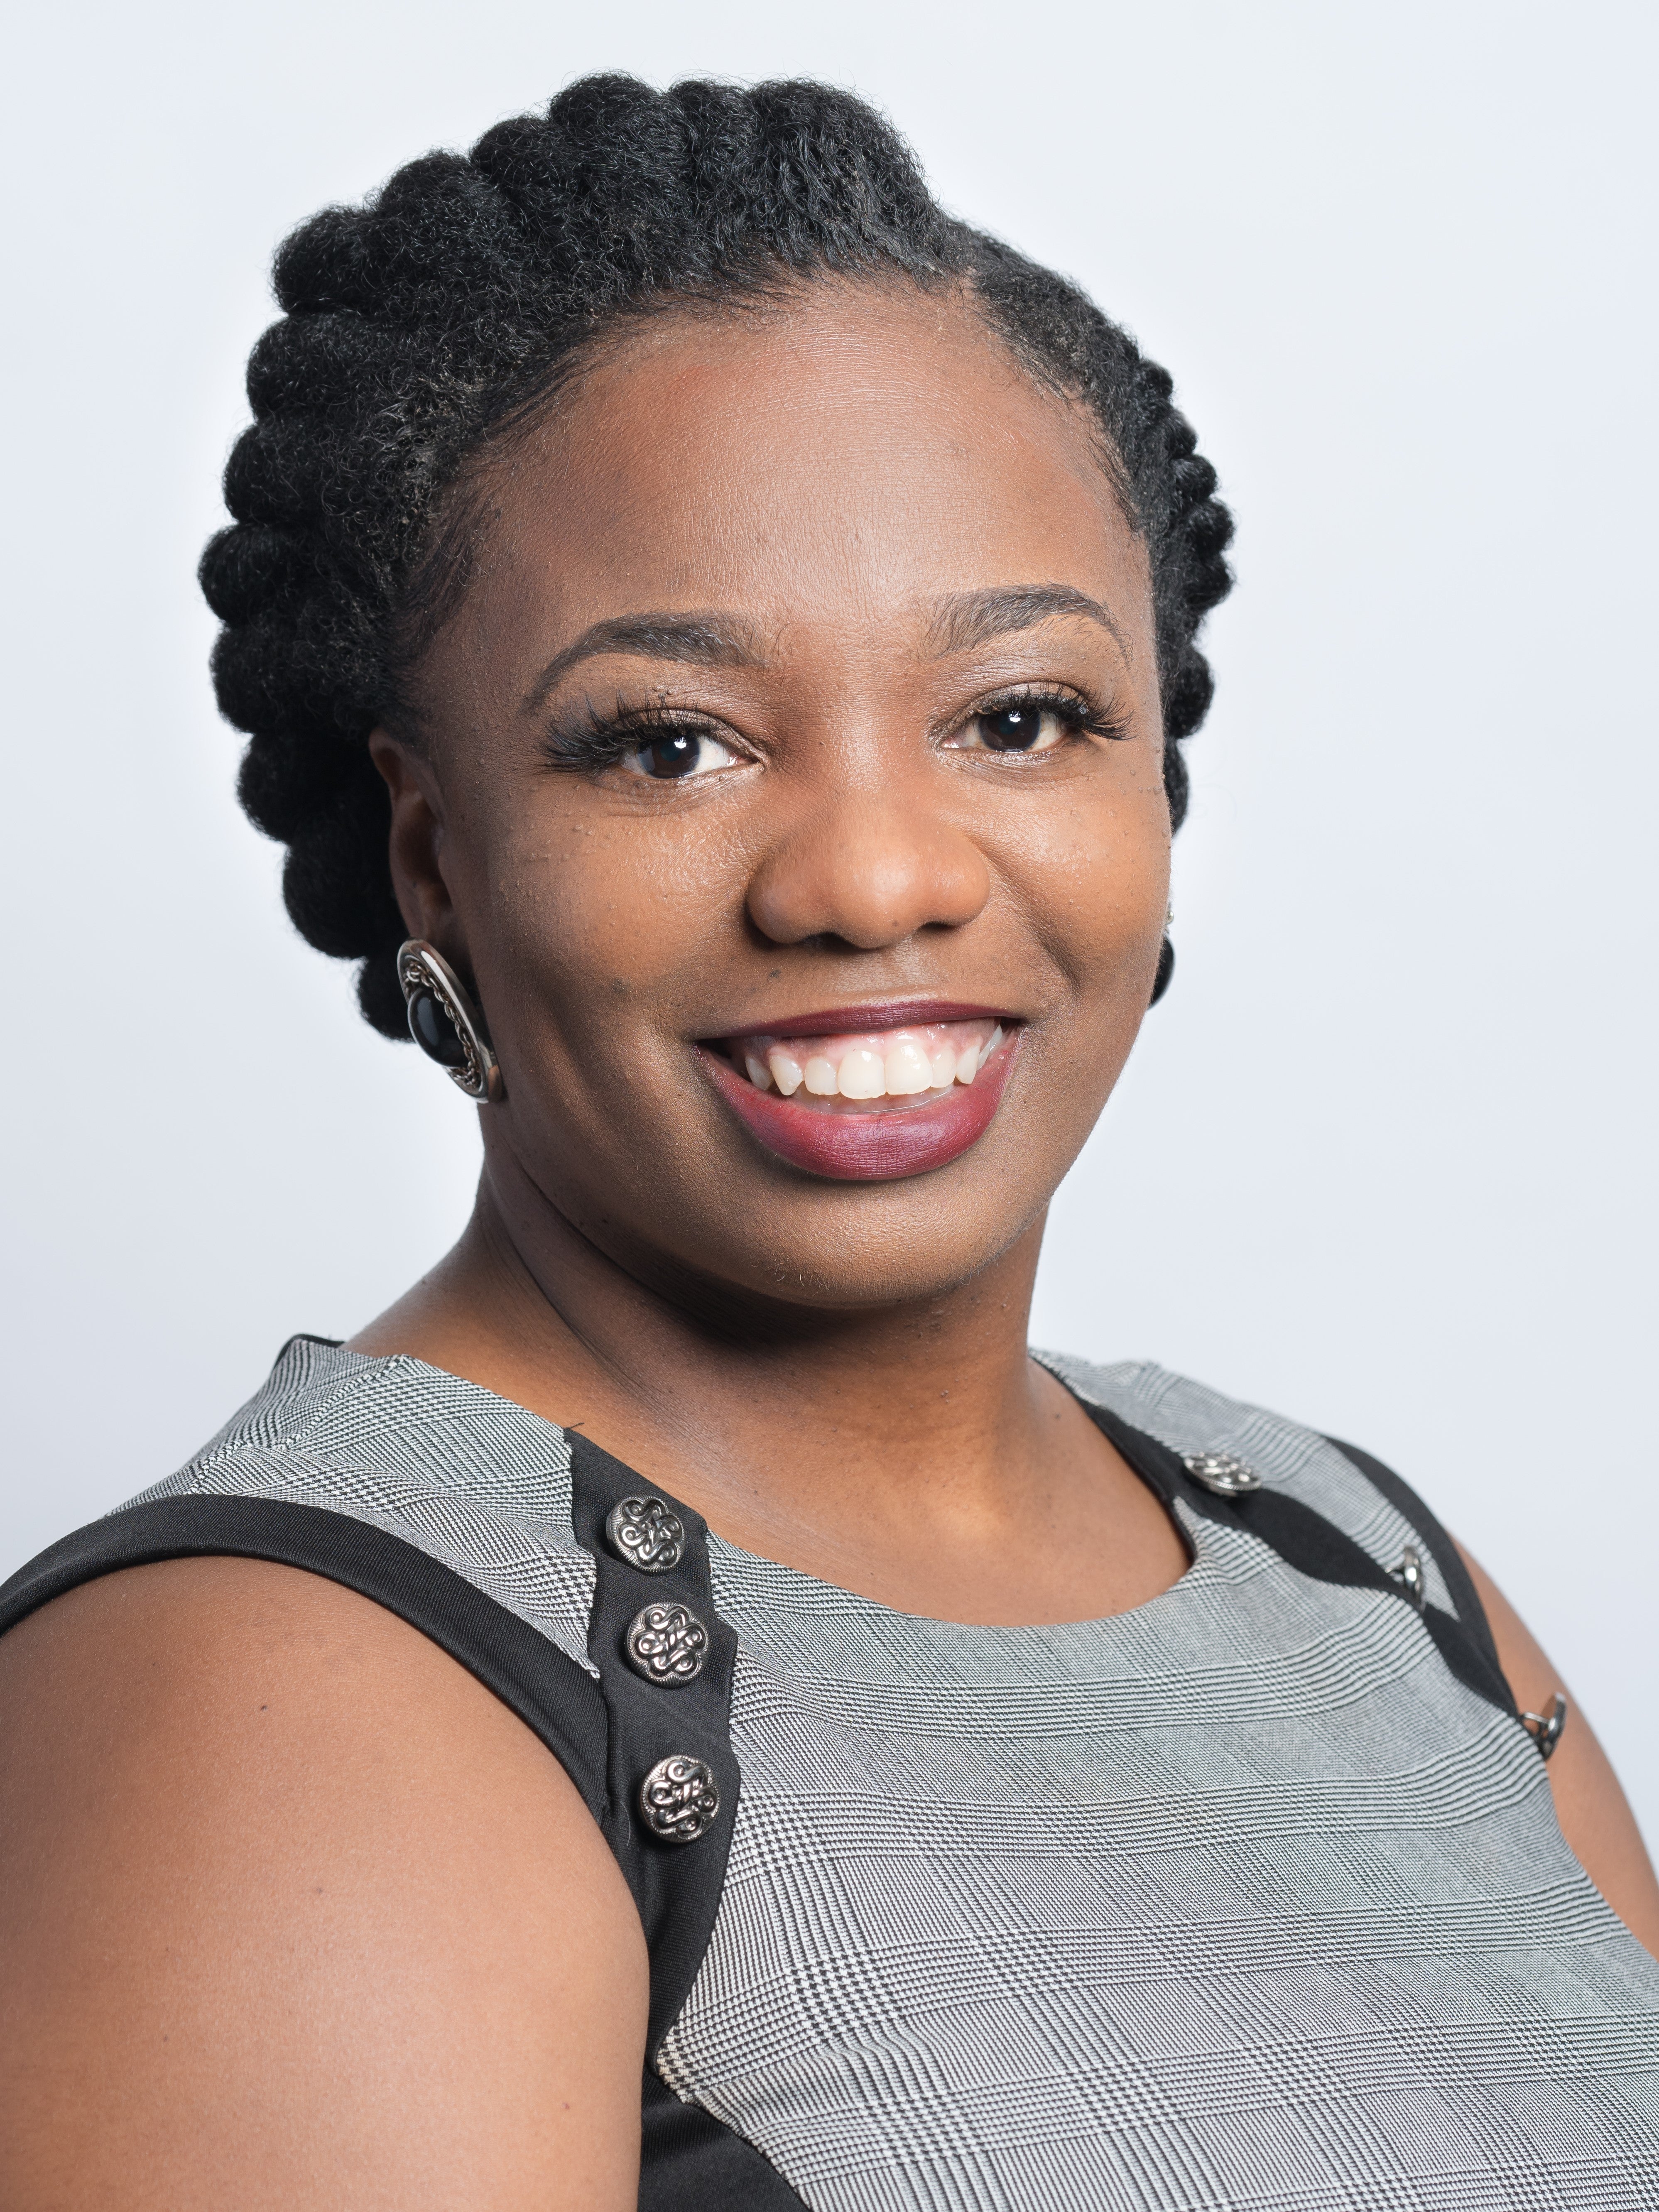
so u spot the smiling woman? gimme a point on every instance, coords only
(685, 1708)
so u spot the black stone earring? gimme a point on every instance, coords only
(446, 1024)
(1165, 969)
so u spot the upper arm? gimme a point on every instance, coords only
(1596, 1820)
(294, 1913)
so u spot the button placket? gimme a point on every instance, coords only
(667, 1643)
(672, 1786)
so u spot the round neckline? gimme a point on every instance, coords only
(720, 1549)
(1187, 1525)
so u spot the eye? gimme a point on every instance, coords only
(1020, 726)
(673, 756)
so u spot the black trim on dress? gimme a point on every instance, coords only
(607, 1734)
(1314, 1547)
(689, 2161)
(1459, 1583)
(603, 1734)
(677, 1886)
(554, 1697)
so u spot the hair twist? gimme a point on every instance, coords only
(417, 326)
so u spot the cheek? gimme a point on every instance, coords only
(587, 915)
(1096, 877)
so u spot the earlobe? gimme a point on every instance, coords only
(443, 1019)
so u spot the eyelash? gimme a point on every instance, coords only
(1080, 718)
(589, 740)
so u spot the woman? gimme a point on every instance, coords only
(716, 636)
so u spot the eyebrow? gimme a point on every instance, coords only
(708, 640)
(974, 618)
(705, 640)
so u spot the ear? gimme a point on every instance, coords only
(415, 846)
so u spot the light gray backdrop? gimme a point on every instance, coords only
(1382, 1159)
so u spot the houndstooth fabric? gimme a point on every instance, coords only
(478, 1484)
(1236, 1900)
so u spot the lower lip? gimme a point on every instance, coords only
(874, 1147)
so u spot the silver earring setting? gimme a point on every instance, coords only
(446, 1024)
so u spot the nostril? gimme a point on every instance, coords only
(868, 879)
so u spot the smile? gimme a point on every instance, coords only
(871, 1104)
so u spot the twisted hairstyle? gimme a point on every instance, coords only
(422, 326)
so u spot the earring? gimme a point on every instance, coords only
(1165, 969)
(444, 1024)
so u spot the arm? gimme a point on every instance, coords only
(1598, 1824)
(293, 1913)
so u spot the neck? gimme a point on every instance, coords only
(914, 1453)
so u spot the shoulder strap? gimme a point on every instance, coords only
(1314, 1547)
(606, 1735)
(691, 2161)
(1459, 1583)
(550, 1694)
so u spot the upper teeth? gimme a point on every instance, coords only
(878, 1063)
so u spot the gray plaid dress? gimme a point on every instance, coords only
(1253, 1897)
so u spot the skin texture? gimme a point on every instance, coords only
(292, 1911)
(832, 485)
(1595, 1818)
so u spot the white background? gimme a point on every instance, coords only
(1382, 1159)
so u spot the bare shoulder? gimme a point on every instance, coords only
(294, 1912)
(1595, 1814)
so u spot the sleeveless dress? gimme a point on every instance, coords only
(1252, 1897)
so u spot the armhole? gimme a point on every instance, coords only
(1459, 1583)
(554, 1697)
(601, 1732)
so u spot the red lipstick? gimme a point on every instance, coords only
(878, 1145)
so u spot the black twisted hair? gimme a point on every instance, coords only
(419, 327)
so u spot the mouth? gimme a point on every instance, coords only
(868, 1094)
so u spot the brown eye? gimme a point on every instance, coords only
(674, 755)
(1024, 726)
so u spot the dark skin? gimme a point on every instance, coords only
(636, 1260)
(292, 1912)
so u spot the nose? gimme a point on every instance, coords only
(870, 869)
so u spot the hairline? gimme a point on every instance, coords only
(443, 570)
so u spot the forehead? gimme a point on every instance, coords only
(855, 453)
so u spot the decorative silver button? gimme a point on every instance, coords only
(667, 1643)
(1220, 1472)
(1545, 1729)
(680, 1800)
(1410, 1576)
(647, 1534)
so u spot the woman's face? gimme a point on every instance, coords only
(798, 733)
